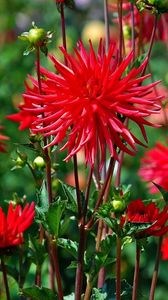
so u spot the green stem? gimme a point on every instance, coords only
(156, 269)
(136, 272)
(118, 270)
(5, 279)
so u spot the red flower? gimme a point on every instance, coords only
(14, 224)
(2, 139)
(88, 102)
(154, 167)
(164, 248)
(138, 212)
(23, 117)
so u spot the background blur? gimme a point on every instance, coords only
(84, 21)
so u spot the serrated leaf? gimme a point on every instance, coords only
(68, 192)
(39, 293)
(134, 228)
(69, 245)
(97, 294)
(37, 251)
(54, 214)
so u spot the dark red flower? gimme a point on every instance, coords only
(88, 101)
(14, 224)
(154, 167)
(138, 212)
(164, 248)
(2, 139)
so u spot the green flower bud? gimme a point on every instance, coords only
(118, 206)
(36, 36)
(39, 163)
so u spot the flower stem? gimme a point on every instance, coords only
(156, 269)
(133, 29)
(118, 270)
(136, 272)
(102, 191)
(46, 152)
(120, 30)
(107, 27)
(151, 43)
(54, 254)
(77, 186)
(5, 279)
(63, 27)
(79, 272)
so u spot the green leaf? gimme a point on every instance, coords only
(134, 228)
(163, 192)
(39, 293)
(70, 297)
(69, 245)
(54, 215)
(98, 295)
(37, 251)
(68, 192)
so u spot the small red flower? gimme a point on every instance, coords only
(138, 212)
(88, 101)
(164, 248)
(154, 167)
(14, 224)
(2, 139)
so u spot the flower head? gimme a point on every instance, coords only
(164, 248)
(14, 224)
(138, 212)
(154, 167)
(88, 102)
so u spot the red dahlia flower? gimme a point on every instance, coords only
(88, 101)
(138, 212)
(14, 224)
(154, 167)
(2, 139)
(164, 248)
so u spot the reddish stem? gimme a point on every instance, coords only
(120, 30)
(54, 254)
(151, 43)
(79, 272)
(5, 279)
(136, 272)
(156, 269)
(102, 191)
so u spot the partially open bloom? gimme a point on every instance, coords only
(14, 224)
(154, 167)
(88, 102)
(164, 248)
(2, 139)
(138, 212)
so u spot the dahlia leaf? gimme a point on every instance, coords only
(36, 293)
(70, 246)
(163, 192)
(98, 295)
(54, 215)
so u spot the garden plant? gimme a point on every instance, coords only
(84, 214)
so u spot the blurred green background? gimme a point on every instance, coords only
(86, 21)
